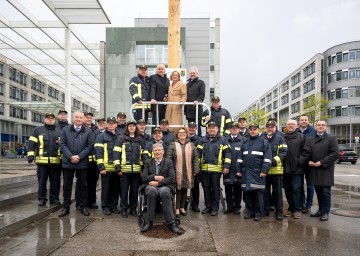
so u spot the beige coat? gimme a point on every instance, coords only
(177, 92)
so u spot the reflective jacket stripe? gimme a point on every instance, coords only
(47, 160)
(108, 167)
(31, 153)
(257, 153)
(222, 125)
(41, 146)
(211, 168)
(99, 145)
(34, 139)
(131, 168)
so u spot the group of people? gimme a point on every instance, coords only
(255, 167)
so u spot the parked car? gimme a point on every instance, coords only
(347, 155)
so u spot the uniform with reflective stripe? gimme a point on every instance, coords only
(279, 151)
(235, 145)
(221, 117)
(104, 147)
(140, 90)
(127, 156)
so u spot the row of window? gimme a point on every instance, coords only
(53, 93)
(17, 76)
(151, 54)
(17, 94)
(346, 93)
(296, 79)
(18, 113)
(296, 93)
(1, 69)
(344, 111)
(309, 70)
(295, 107)
(309, 86)
(37, 86)
(353, 73)
(76, 103)
(343, 57)
(2, 85)
(35, 97)
(37, 117)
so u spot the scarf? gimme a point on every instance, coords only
(179, 164)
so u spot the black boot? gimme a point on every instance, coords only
(148, 225)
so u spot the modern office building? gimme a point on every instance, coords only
(335, 74)
(146, 43)
(19, 94)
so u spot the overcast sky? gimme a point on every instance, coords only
(262, 41)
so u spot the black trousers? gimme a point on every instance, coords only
(273, 193)
(254, 201)
(233, 195)
(129, 199)
(211, 185)
(110, 187)
(53, 173)
(292, 186)
(80, 190)
(138, 114)
(92, 178)
(195, 192)
(181, 195)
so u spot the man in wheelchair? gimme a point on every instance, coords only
(159, 174)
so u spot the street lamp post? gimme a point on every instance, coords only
(350, 109)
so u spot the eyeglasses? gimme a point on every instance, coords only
(181, 132)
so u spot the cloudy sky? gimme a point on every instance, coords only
(262, 41)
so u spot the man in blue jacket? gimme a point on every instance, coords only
(76, 144)
(309, 132)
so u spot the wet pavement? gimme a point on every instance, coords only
(230, 234)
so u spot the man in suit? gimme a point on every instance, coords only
(159, 173)
(159, 85)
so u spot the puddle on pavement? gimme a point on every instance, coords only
(346, 201)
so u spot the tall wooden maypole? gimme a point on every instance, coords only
(174, 34)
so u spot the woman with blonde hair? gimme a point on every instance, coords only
(184, 155)
(177, 93)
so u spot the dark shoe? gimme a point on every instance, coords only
(148, 225)
(316, 214)
(267, 213)
(115, 210)
(248, 216)
(55, 203)
(324, 217)
(272, 208)
(228, 210)
(278, 216)
(174, 228)
(177, 216)
(93, 206)
(237, 211)
(257, 218)
(195, 209)
(124, 214)
(85, 211)
(306, 210)
(78, 207)
(133, 212)
(107, 212)
(214, 213)
(42, 203)
(206, 210)
(64, 212)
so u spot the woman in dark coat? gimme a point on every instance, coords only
(324, 152)
(184, 155)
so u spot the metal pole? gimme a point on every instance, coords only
(68, 72)
(350, 126)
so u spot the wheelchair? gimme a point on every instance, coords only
(142, 205)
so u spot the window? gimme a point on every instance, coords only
(295, 93)
(63, 97)
(53, 93)
(18, 113)
(339, 57)
(12, 92)
(268, 108)
(76, 103)
(309, 86)
(295, 79)
(275, 92)
(262, 101)
(1, 69)
(309, 70)
(1, 88)
(37, 86)
(284, 99)
(1, 109)
(85, 107)
(37, 117)
(285, 87)
(269, 97)
(152, 54)
(275, 104)
(352, 55)
(295, 107)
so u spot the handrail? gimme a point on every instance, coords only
(168, 103)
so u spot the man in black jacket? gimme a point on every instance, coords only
(324, 152)
(62, 119)
(159, 85)
(195, 94)
(121, 120)
(159, 173)
(244, 131)
(76, 144)
(297, 156)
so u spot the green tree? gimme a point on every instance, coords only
(315, 107)
(257, 116)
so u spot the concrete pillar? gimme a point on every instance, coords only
(102, 79)
(68, 72)
(174, 34)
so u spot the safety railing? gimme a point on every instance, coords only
(144, 103)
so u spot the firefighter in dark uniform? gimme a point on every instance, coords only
(157, 137)
(232, 182)
(121, 123)
(110, 186)
(44, 148)
(254, 163)
(219, 115)
(215, 158)
(62, 119)
(195, 191)
(141, 125)
(93, 171)
(274, 178)
(127, 161)
(244, 131)
(168, 136)
(140, 91)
